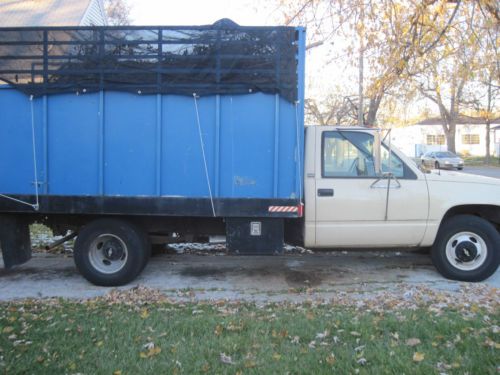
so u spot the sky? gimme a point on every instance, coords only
(199, 12)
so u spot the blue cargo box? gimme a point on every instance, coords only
(156, 154)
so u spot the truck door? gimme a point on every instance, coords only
(350, 202)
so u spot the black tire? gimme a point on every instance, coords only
(460, 168)
(132, 245)
(436, 165)
(481, 229)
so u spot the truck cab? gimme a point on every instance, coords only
(361, 192)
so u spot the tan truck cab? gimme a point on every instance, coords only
(360, 192)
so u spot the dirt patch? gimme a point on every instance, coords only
(204, 271)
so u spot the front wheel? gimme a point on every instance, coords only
(467, 248)
(111, 252)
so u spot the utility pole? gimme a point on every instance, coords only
(361, 33)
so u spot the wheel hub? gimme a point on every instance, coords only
(466, 252)
(112, 250)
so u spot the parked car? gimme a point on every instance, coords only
(442, 159)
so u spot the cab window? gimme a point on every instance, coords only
(350, 154)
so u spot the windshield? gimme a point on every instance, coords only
(446, 154)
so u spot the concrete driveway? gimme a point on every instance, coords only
(293, 277)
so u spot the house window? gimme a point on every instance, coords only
(470, 139)
(433, 139)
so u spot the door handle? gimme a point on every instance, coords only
(325, 192)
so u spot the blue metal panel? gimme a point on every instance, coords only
(129, 144)
(247, 146)
(183, 172)
(72, 144)
(16, 150)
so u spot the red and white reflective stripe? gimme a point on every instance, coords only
(283, 209)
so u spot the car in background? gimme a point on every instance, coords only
(442, 160)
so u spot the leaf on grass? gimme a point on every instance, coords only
(276, 356)
(250, 364)
(330, 359)
(355, 334)
(8, 329)
(151, 350)
(362, 361)
(218, 330)
(226, 359)
(413, 341)
(144, 313)
(295, 340)
(322, 335)
(418, 357)
(117, 372)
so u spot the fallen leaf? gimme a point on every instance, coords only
(144, 313)
(151, 351)
(226, 359)
(276, 356)
(413, 342)
(322, 335)
(250, 364)
(8, 329)
(330, 359)
(355, 334)
(117, 372)
(218, 330)
(362, 361)
(418, 357)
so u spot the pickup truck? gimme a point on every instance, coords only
(134, 137)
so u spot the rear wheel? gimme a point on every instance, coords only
(467, 248)
(111, 252)
(436, 165)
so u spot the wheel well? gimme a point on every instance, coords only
(488, 212)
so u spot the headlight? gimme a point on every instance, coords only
(447, 162)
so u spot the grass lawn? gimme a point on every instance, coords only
(99, 337)
(480, 161)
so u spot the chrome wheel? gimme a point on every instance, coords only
(466, 251)
(108, 253)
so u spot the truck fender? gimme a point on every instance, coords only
(15, 240)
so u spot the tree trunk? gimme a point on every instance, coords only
(487, 156)
(374, 105)
(450, 137)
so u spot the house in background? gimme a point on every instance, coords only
(19, 13)
(428, 135)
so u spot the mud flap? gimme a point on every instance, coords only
(255, 236)
(15, 240)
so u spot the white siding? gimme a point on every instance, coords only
(95, 14)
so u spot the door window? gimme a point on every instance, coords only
(350, 154)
